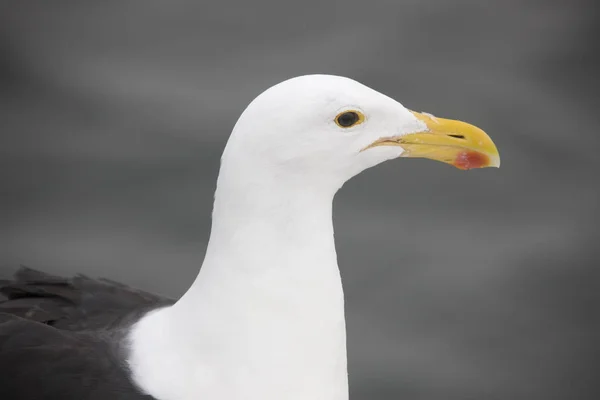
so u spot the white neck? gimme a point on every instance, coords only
(264, 319)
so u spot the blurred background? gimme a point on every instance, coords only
(459, 285)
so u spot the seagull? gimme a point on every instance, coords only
(264, 318)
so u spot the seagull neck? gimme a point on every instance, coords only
(265, 316)
(266, 236)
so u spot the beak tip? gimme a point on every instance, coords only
(494, 161)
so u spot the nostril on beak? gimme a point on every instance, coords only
(457, 136)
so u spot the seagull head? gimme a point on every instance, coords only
(324, 128)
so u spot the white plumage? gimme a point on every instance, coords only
(264, 319)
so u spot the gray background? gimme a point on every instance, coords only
(460, 285)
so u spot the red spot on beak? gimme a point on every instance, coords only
(470, 160)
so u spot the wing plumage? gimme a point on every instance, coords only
(77, 303)
(63, 338)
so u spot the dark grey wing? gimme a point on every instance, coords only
(61, 338)
(40, 362)
(77, 303)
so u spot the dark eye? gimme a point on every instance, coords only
(348, 119)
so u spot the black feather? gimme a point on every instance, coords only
(63, 338)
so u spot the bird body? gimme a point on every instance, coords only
(264, 319)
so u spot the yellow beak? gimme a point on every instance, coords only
(453, 142)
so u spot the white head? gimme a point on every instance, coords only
(330, 128)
